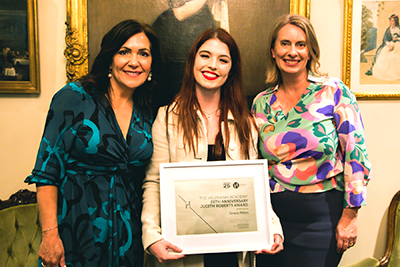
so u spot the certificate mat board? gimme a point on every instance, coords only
(219, 206)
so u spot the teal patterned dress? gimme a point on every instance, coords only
(98, 174)
(318, 145)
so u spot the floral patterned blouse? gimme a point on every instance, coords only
(318, 145)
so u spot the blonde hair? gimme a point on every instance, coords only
(273, 73)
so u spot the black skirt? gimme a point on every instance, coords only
(309, 222)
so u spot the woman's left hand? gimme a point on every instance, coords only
(346, 230)
(276, 247)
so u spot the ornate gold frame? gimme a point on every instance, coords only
(301, 7)
(348, 31)
(33, 85)
(76, 37)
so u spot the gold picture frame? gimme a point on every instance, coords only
(32, 85)
(76, 37)
(351, 57)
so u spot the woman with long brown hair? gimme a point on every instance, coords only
(208, 120)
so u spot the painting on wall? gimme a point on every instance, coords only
(179, 22)
(372, 49)
(18, 47)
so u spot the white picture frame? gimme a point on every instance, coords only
(220, 206)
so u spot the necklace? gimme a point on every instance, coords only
(208, 115)
(121, 106)
(112, 101)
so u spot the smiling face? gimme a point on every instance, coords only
(290, 51)
(212, 65)
(131, 65)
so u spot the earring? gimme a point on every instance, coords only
(149, 77)
(109, 74)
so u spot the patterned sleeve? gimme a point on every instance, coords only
(350, 129)
(58, 136)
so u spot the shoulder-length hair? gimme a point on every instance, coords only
(273, 73)
(97, 83)
(232, 99)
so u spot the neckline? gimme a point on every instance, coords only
(279, 102)
(208, 115)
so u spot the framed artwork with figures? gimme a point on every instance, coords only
(19, 50)
(372, 49)
(249, 22)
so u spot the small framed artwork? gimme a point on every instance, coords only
(212, 207)
(19, 52)
(372, 49)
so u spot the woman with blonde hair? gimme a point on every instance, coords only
(312, 134)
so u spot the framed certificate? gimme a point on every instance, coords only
(219, 206)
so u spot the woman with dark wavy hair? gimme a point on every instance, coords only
(90, 163)
(208, 120)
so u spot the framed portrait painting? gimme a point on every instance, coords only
(19, 59)
(372, 49)
(249, 22)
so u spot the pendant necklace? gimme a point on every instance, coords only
(208, 115)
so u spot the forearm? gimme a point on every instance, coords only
(276, 223)
(47, 204)
(51, 250)
(350, 213)
(346, 230)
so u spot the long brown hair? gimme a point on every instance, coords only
(232, 99)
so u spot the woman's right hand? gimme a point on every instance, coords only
(276, 247)
(164, 251)
(51, 251)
